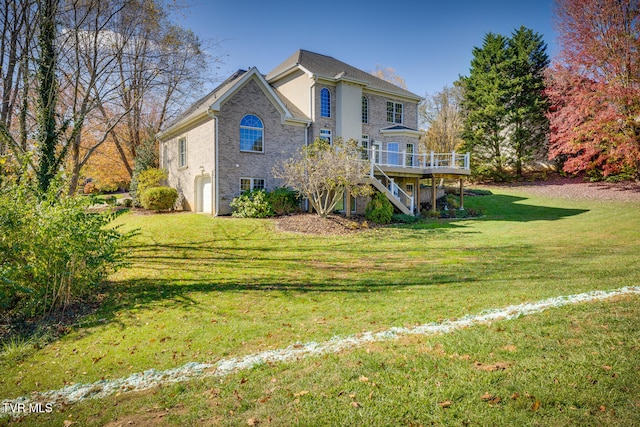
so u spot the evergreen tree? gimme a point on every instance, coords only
(485, 94)
(527, 107)
(504, 102)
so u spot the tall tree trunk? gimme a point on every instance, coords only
(48, 95)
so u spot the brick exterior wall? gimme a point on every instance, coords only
(281, 141)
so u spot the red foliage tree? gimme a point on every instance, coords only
(594, 87)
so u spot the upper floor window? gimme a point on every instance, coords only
(251, 134)
(325, 102)
(182, 152)
(326, 135)
(394, 112)
(365, 109)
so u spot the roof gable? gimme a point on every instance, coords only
(214, 100)
(333, 69)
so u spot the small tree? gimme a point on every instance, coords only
(322, 172)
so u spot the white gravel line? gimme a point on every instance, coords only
(152, 378)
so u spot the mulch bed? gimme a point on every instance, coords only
(576, 189)
(329, 225)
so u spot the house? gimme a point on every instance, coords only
(230, 140)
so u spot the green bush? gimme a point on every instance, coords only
(53, 250)
(158, 198)
(403, 218)
(283, 200)
(379, 209)
(251, 204)
(146, 158)
(147, 178)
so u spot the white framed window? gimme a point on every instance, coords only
(394, 112)
(410, 156)
(165, 157)
(364, 144)
(325, 102)
(326, 135)
(365, 109)
(248, 184)
(251, 134)
(182, 152)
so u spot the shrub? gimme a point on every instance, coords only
(111, 200)
(452, 202)
(127, 203)
(158, 198)
(379, 209)
(146, 158)
(53, 250)
(251, 204)
(283, 200)
(148, 178)
(404, 218)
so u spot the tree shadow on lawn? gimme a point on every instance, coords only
(231, 251)
(499, 207)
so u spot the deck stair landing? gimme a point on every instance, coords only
(395, 194)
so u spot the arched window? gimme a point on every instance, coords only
(251, 134)
(325, 102)
(365, 109)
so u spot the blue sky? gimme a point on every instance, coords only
(427, 42)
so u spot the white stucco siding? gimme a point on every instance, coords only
(297, 88)
(348, 111)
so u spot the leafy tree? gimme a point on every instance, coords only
(322, 172)
(594, 88)
(486, 96)
(442, 113)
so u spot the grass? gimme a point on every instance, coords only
(202, 288)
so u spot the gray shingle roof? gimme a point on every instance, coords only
(208, 99)
(326, 66)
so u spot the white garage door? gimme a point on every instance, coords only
(206, 195)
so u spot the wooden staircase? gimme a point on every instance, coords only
(395, 194)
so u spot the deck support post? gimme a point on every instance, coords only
(461, 194)
(416, 195)
(434, 193)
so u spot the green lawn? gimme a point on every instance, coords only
(201, 288)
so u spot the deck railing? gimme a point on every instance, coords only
(410, 160)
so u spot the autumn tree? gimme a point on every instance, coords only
(111, 65)
(160, 66)
(389, 74)
(322, 172)
(443, 115)
(594, 88)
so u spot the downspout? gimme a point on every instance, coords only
(211, 114)
(311, 106)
